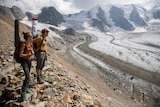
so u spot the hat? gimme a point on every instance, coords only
(44, 30)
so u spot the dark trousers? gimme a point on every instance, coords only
(26, 65)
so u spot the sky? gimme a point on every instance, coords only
(71, 6)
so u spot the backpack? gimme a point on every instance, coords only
(17, 43)
(17, 58)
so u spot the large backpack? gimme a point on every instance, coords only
(17, 43)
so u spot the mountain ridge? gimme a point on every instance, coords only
(133, 15)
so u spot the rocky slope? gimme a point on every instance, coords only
(62, 88)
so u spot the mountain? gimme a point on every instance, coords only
(48, 14)
(12, 13)
(51, 16)
(117, 16)
(136, 18)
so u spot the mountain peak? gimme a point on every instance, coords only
(51, 16)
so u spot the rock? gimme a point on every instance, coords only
(50, 104)
(87, 100)
(47, 67)
(14, 95)
(70, 31)
(97, 103)
(10, 59)
(50, 91)
(12, 103)
(41, 104)
(43, 86)
(66, 98)
(25, 104)
(3, 79)
(76, 97)
(50, 79)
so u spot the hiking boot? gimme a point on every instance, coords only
(23, 97)
(28, 90)
(40, 80)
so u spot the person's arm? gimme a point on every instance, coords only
(32, 50)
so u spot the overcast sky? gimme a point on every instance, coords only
(71, 6)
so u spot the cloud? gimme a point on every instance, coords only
(70, 6)
(86, 4)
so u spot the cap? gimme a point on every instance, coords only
(34, 18)
(44, 30)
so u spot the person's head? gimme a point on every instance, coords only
(27, 35)
(45, 32)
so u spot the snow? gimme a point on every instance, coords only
(138, 48)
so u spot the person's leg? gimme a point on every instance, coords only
(43, 57)
(29, 67)
(39, 79)
(26, 80)
(40, 65)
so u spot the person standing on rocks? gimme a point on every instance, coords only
(40, 47)
(26, 53)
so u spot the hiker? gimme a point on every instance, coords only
(40, 46)
(26, 52)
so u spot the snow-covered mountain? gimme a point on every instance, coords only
(156, 12)
(107, 17)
